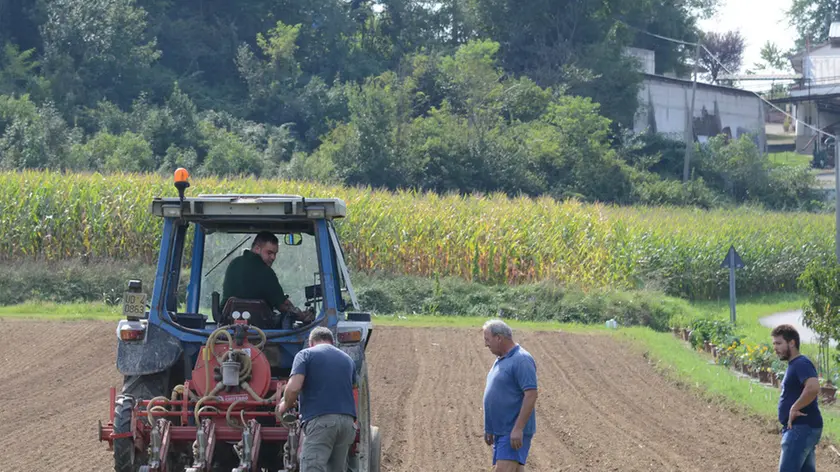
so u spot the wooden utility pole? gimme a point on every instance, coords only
(689, 129)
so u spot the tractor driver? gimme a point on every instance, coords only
(250, 276)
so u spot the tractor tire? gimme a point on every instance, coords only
(136, 387)
(375, 449)
(126, 457)
(146, 387)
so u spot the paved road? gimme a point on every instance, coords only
(794, 318)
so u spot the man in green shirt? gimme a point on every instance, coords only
(250, 276)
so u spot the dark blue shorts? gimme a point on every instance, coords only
(502, 451)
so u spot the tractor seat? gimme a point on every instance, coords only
(262, 315)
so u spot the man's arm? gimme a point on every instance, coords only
(809, 394)
(278, 299)
(526, 378)
(293, 389)
(275, 295)
(527, 408)
(295, 385)
(807, 374)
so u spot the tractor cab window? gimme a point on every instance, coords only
(296, 264)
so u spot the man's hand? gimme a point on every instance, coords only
(793, 415)
(306, 316)
(488, 438)
(281, 408)
(516, 438)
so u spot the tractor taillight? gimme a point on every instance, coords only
(345, 337)
(131, 330)
(132, 335)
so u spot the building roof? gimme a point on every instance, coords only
(760, 77)
(719, 88)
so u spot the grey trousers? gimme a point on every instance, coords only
(326, 443)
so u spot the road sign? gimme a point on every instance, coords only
(732, 261)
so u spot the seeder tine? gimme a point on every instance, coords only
(249, 448)
(205, 444)
(160, 447)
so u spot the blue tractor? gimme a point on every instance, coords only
(202, 380)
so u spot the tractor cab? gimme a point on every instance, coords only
(204, 369)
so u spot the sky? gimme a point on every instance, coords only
(758, 21)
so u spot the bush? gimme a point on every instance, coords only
(717, 332)
(737, 169)
(724, 172)
(71, 281)
(531, 302)
(653, 152)
(105, 281)
(649, 189)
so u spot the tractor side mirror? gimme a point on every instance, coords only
(293, 239)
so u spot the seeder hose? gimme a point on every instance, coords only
(245, 370)
(150, 408)
(241, 415)
(178, 390)
(209, 396)
(210, 347)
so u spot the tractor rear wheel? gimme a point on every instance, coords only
(135, 388)
(126, 457)
(146, 387)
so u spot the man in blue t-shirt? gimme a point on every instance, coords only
(799, 414)
(510, 397)
(324, 376)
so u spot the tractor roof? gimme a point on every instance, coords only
(243, 211)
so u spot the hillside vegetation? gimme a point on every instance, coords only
(525, 98)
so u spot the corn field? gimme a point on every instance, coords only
(487, 238)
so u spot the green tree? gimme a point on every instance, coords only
(821, 312)
(19, 73)
(227, 154)
(772, 58)
(367, 149)
(33, 136)
(96, 49)
(271, 82)
(584, 163)
(812, 19)
(127, 152)
(582, 43)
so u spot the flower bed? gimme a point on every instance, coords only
(720, 339)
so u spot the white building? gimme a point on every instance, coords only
(665, 104)
(816, 96)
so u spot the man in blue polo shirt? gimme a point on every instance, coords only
(323, 376)
(510, 397)
(799, 414)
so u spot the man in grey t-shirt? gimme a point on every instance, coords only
(323, 376)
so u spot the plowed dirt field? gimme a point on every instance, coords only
(602, 407)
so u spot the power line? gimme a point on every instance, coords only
(673, 40)
(765, 100)
(686, 43)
